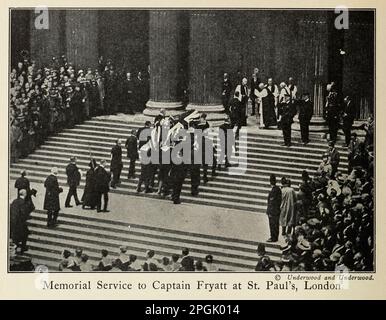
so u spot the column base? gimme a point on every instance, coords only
(215, 113)
(171, 108)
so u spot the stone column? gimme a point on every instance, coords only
(164, 45)
(82, 38)
(47, 43)
(205, 65)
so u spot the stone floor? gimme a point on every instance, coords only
(163, 213)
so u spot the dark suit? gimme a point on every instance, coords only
(287, 112)
(116, 165)
(226, 94)
(332, 115)
(51, 199)
(306, 111)
(128, 89)
(348, 120)
(254, 84)
(18, 222)
(102, 179)
(132, 154)
(273, 211)
(73, 179)
(334, 160)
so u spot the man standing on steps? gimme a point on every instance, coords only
(73, 180)
(334, 156)
(132, 152)
(286, 114)
(348, 118)
(116, 164)
(305, 115)
(18, 221)
(273, 209)
(102, 180)
(51, 199)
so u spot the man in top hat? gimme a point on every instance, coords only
(73, 180)
(273, 209)
(116, 164)
(18, 221)
(102, 181)
(132, 152)
(348, 116)
(306, 111)
(51, 199)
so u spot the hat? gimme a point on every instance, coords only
(313, 222)
(304, 245)
(335, 257)
(54, 171)
(333, 185)
(80, 71)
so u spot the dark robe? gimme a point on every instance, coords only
(51, 199)
(269, 115)
(18, 221)
(89, 194)
(23, 183)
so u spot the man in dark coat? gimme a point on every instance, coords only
(23, 183)
(102, 180)
(234, 112)
(73, 180)
(146, 134)
(305, 115)
(116, 164)
(178, 174)
(226, 92)
(128, 94)
(348, 117)
(332, 112)
(226, 137)
(132, 152)
(18, 221)
(254, 84)
(273, 209)
(51, 199)
(334, 155)
(286, 114)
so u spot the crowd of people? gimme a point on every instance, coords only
(79, 261)
(46, 99)
(328, 224)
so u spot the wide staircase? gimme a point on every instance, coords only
(244, 191)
